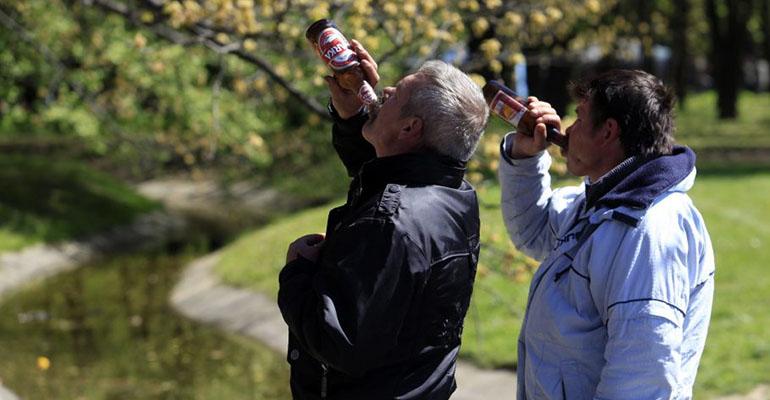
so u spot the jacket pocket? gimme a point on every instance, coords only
(576, 385)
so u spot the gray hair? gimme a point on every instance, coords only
(452, 108)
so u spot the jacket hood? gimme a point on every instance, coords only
(645, 180)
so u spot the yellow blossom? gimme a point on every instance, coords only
(240, 86)
(43, 363)
(321, 10)
(480, 26)
(514, 19)
(256, 141)
(249, 45)
(390, 9)
(410, 9)
(428, 6)
(223, 38)
(157, 66)
(139, 41)
(538, 19)
(496, 66)
(147, 17)
(593, 6)
(554, 13)
(515, 58)
(490, 48)
(260, 84)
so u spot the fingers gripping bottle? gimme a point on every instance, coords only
(513, 109)
(334, 49)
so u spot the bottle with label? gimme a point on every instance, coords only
(513, 109)
(334, 49)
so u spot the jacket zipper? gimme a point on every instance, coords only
(325, 372)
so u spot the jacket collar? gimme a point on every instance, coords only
(412, 169)
(637, 182)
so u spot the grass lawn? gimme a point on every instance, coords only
(46, 200)
(699, 127)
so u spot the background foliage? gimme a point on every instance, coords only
(159, 85)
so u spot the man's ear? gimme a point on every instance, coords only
(611, 130)
(411, 129)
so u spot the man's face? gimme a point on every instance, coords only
(583, 154)
(382, 129)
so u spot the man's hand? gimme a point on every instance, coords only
(529, 146)
(307, 247)
(346, 102)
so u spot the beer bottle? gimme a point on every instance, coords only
(513, 109)
(334, 49)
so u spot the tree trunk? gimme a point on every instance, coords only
(648, 62)
(728, 36)
(548, 82)
(680, 22)
(765, 9)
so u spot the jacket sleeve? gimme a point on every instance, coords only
(531, 211)
(641, 286)
(349, 314)
(643, 359)
(349, 142)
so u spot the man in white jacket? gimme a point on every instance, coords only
(620, 306)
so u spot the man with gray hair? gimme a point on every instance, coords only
(375, 307)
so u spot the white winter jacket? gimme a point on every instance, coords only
(620, 306)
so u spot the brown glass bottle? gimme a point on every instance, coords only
(332, 46)
(513, 109)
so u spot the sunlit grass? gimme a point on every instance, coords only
(47, 200)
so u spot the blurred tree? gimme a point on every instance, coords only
(729, 35)
(765, 24)
(259, 92)
(239, 79)
(68, 72)
(680, 24)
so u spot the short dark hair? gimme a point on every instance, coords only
(641, 104)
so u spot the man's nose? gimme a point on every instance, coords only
(389, 90)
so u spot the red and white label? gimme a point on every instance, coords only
(335, 50)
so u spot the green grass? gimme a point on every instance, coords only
(256, 257)
(44, 199)
(698, 125)
(736, 209)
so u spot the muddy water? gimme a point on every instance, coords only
(106, 331)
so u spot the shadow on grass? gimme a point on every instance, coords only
(713, 169)
(49, 199)
(733, 161)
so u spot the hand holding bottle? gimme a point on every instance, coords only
(354, 69)
(543, 117)
(346, 101)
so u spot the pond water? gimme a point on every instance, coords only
(106, 331)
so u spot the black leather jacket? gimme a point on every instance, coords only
(380, 315)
